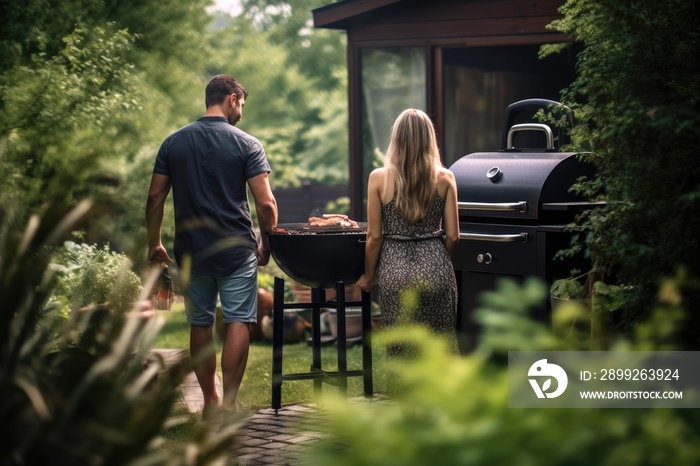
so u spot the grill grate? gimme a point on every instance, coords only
(306, 229)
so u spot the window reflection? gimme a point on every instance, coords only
(480, 82)
(393, 79)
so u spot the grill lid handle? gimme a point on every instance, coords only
(531, 127)
(520, 206)
(514, 238)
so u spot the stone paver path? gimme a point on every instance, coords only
(269, 439)
(264, 438)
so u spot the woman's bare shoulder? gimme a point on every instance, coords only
(379, 172)
(382, 175)
(445, 176)
(445, 181)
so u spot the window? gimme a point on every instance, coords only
(480, 82)
(393, 79)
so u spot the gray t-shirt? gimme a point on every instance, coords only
(209, 162)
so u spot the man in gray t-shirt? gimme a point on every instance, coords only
(209, 164)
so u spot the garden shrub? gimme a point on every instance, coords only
(90, 275)
(635, 99)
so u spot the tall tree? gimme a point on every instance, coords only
(86, 88)
(316, 52)
(309, 67)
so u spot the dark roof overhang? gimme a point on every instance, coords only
(338, 15)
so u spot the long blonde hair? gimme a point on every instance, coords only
(414, 159)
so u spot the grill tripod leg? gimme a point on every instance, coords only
(318, 296)
(342, 340)
(367, 344)
(277, 342)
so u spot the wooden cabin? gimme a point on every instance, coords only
(462, 62)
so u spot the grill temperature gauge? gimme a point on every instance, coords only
(494, 174)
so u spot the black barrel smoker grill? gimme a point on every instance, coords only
(514, 205)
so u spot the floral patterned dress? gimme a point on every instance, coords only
(415, 275)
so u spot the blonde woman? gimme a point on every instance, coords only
(413, 229)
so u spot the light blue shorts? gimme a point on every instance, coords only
(238, 293)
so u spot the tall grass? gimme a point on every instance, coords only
(75, 390)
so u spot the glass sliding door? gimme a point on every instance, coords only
(393, 79)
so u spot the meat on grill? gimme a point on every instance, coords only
(333, 220)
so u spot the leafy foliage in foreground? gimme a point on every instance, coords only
(454, 411)
(78, 392)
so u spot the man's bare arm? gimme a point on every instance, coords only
(157, 194)
(266, 208)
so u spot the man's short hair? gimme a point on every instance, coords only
(220, 87)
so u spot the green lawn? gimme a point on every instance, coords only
(255, 390)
